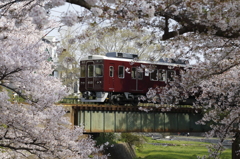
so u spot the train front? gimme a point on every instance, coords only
(92, 79)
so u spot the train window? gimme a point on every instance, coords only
(111, 73)
(162, 75)
(90, 70)
(139, 73)
(133, 72)
(120, 54)
(121, 71)
(98, 70)
(153, 75)
(83, 72)
(170, 75)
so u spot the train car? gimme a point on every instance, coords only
(119, 78)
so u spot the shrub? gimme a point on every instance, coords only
(104, 138)
(133, 139)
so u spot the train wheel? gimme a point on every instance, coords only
(116, 100)
(134, 103)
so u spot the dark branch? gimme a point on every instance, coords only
(7, 4)
(77, 2)
(25, 144)
(5, 74)
(24, 148)
(14, 90)
(80, 3)
(224, 70)
(188, 25)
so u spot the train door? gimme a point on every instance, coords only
(90, 75)
(136, 78)
(111, 77)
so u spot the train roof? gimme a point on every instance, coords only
(167, 62)
(121, 55)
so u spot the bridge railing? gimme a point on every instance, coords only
(70, 101)
(78, 101)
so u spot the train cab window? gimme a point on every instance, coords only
(83, 72)
(90, 70)
(121, 72)
(111, 69)
(153, 75)
(98, 70)
(170, 75)
(162, 75)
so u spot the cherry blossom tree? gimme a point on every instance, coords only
(112, 39)
(68, 61)
(37, 128)
(203, 31)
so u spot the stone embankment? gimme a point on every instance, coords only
(121, 151)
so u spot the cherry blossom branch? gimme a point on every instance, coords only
(4, 74)
(223, 70)
(25, 145)
(14, 90)
(9, 3)
(224, 135)
(31, 146)
(188, 25)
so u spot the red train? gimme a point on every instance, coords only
(119, 79)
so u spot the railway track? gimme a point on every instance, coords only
(149, 108)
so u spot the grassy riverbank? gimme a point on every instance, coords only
(175, 149)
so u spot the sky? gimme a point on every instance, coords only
(56, 13)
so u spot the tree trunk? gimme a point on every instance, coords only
(236, 147)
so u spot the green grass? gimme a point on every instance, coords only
(175, 149)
